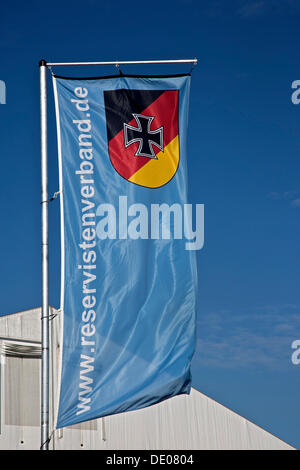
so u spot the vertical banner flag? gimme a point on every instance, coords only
(128, 295)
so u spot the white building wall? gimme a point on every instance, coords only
(183, 422)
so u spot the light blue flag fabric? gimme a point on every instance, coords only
(129, 278)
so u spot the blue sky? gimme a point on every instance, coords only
(244, 165)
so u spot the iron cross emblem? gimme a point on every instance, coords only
(144, 136)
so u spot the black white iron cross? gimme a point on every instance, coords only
(144, 135)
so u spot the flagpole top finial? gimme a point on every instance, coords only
(42, 63)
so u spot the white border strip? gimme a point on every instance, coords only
(62, 243)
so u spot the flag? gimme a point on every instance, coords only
(128, 280)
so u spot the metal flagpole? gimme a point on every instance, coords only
(128, 62)
(45, 296)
